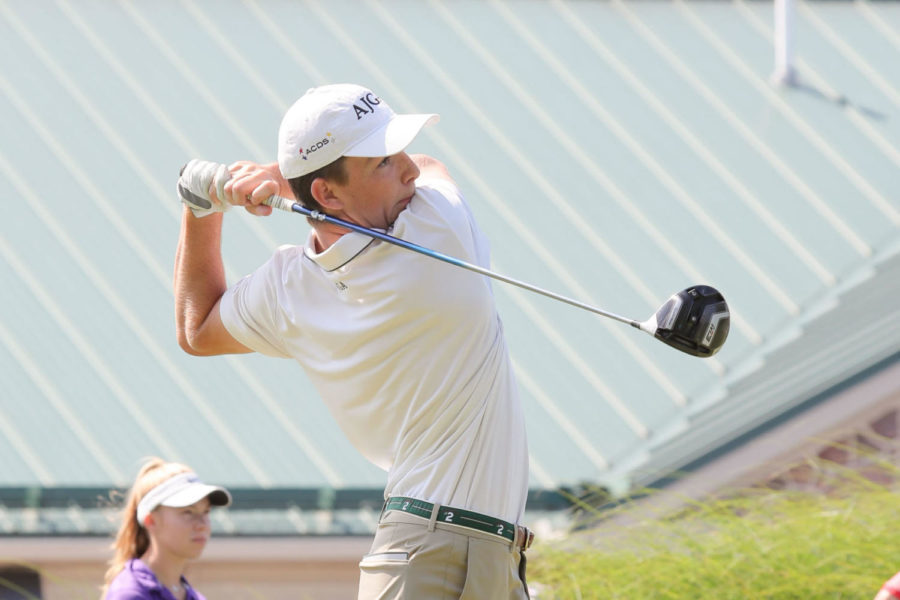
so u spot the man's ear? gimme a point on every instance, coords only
(324, 194)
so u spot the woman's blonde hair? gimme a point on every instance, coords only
(132, 539)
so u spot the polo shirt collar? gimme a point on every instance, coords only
(145, 577)
(339, 253)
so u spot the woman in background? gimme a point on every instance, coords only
(164, 526)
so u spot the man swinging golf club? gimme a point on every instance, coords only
(409, 354)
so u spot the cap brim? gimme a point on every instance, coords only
(393, 137)
(218, 496)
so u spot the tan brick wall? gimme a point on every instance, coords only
(870, 447)
(232, 569)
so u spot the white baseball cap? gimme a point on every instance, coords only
(181, 490)
(343, 119)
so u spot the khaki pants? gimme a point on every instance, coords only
(412, 559)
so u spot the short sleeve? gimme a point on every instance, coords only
(444, 209)
(249, 308)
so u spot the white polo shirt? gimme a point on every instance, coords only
(407, 352)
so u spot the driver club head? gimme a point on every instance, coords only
(695, 320)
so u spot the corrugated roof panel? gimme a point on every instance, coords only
(671, 160)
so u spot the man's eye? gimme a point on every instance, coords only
(384, 161)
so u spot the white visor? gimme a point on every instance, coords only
(181, 490)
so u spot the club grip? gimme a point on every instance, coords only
(279, 203)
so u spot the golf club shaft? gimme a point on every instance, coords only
(288, 205)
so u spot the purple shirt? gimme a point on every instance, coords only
(137, 582)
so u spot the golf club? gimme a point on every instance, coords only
(695, 320)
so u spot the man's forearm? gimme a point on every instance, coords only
(199, 276)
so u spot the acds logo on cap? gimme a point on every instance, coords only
(317, 146)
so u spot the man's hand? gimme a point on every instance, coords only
(208, 187)
(252, 183)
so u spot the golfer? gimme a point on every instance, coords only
(165, 524)
(408, 354)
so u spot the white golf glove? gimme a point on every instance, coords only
(193, 187)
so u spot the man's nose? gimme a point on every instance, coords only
(411, 169)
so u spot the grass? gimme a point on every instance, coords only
(759, 543)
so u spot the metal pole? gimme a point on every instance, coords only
(784, 43)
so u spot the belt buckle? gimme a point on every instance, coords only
(525, 536)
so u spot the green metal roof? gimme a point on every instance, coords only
(613, 152)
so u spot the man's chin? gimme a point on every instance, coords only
(401, 206)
